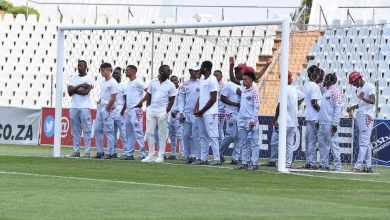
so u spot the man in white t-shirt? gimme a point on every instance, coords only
(248, 121)
(161, 95)
(119, 119)
(329, 121)
(134, 116)
(105, 113)
(80, 114)
(313, 97)
(221, 106)
(206, 110)
(174, 125)
(365, 113)
(294, 99)
(232, 101)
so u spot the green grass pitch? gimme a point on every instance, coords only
(35, 185)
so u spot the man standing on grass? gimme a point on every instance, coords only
(188, 96)
(329, 121)
(80, 113)
(174, 125)
(206, 110)
(160, 97)
(134, 115)
(119, 116)
(221, 106)
(105, 113)
(365, 119)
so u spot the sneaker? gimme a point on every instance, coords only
(222, 159)
(159, 159)
(107, 157)
(288, 166)
(75, 154)
(171, 157)
(313, 167)
(99, 155)
(215, 163)
(368, 170)
(114, 155)
(255, 167)
(149, 158)
(355, 170)
(242, 167)
(124, 157)
(234, 162)
(141, 157)
(196, 162)
(203, 162)
(189, 160)
(271, 164)
(325, 168)
(87, 155)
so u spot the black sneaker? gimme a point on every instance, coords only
(234, 162)
(114, 155)
(189, 160)
(75, 154)
(171, 157)
(123, 157)
(313, 167)
(355, 170)
(325, 168)
(203, 162)
(141, 158)
(99, 155)
(222, 159)
(271, 164)
(196, 162)
(215, 163)
(107, 157)
(255, 167)
(242, 167)
(368, 170)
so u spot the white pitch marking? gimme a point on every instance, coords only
(97, 180)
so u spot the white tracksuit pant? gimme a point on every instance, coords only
(208, 132)
(327, 140)
(152, 121)
(80, 120)
(190, 136)
(289, 145)
(104, 122)
(231, 136)
(119, 125)
(365, 124)
(248, 140)
(311, 142)
(175, 132)
(134, 132)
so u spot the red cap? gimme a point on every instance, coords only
(241, 66)
(247, 69)
(290, 79)
(355, 75)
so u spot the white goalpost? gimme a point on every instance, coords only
(159, 30)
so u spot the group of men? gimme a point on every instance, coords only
(322, 116)
(205, 112)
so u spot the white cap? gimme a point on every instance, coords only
(193, 67)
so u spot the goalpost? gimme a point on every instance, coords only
(218, 42)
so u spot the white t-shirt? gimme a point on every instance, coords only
(206, 86)
(312, 91)
(120, 99)
(134, 92)
(221, 105)
(160, 95)
(365, 108)
(81, 101)
(230, 92)
(293, 96)
(107, 88)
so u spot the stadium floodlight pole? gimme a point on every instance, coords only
(59, 82)
(150, 27)
(283, 97)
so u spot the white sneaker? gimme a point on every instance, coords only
(159, 159)
(148, 159)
